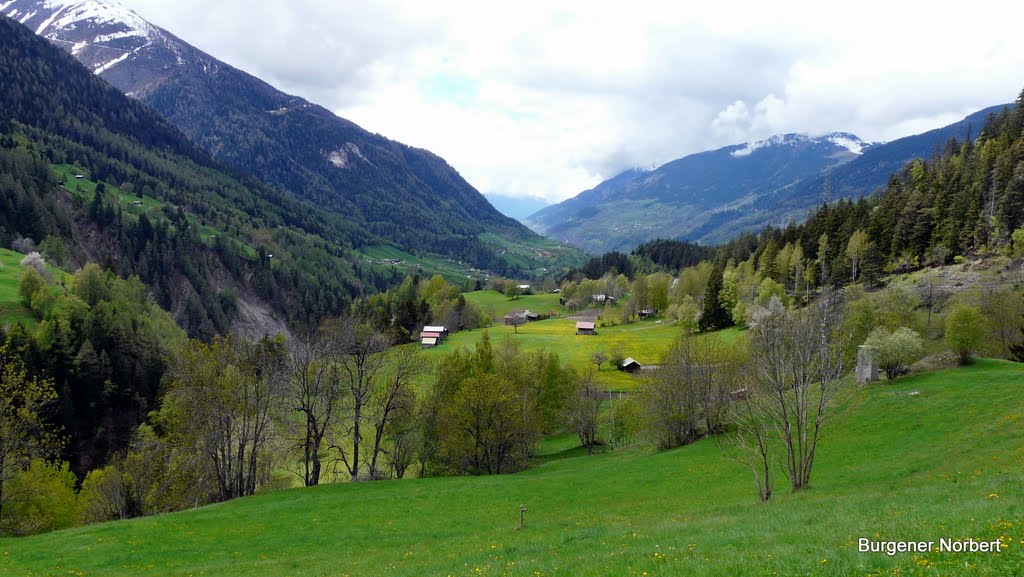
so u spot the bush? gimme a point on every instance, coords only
(43, 499)
(965, 331)
(103, 496)
(895, 350)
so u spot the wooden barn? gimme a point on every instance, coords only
(630, 365)
(585, 328)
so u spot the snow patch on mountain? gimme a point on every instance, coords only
(844, 140)
(777, 140)
(108, 65)
(847, 141)
(68, 12)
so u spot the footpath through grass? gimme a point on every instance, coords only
(935, 456)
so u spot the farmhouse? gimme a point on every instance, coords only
(601, 299)
(630, 365)
(585, 328)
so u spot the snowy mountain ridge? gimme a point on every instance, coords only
(845, 140)
(104, 35)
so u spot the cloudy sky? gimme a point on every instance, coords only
(546, 99)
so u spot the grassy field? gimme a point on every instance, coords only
(12, 310)
(946, 462)
(496, 305)
(647, 341)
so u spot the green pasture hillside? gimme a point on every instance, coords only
(935, 456)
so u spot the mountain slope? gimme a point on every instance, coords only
(681, 195)
(120, 186)
(679, 200)
(405, 195)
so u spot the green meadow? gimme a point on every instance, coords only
(647, 341)
(939, 455)
(496, 305)
(11, 308)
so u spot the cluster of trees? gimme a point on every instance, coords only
(340, 403)
(403, 310)
(103, 342)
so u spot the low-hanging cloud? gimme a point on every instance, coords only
(547, 99)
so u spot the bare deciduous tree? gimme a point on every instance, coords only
(797, 367)
(392, 405)
(690, 388)
(361, 362)
(222, 399)
(584, 410)
(315, 393)
(752, 441)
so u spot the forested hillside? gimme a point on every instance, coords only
(120, 186)
(967, 201)
(392, 193)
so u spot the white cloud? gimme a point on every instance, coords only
(545, 99)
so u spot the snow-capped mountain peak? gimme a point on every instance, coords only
(102, 34)
(840, 140)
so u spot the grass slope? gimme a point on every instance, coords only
(647, 341)
(496, 305)
(12, 310)
(946, 462)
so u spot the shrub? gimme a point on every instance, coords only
(43, 499)
(895, 350)
(965, 331)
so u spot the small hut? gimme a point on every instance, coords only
(585, 328)
(630, 365)
(428, 342)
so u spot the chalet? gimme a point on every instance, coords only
(602, 299)
(557, 291)
(436, 329)
(79, 176)
(647, 313)
(428, 342)
(585, 328)
(525, 288)
(630, 365)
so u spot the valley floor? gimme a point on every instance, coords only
(934, 456)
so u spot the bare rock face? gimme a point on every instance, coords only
(255, 320)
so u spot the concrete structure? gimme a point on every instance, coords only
(867, 366)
